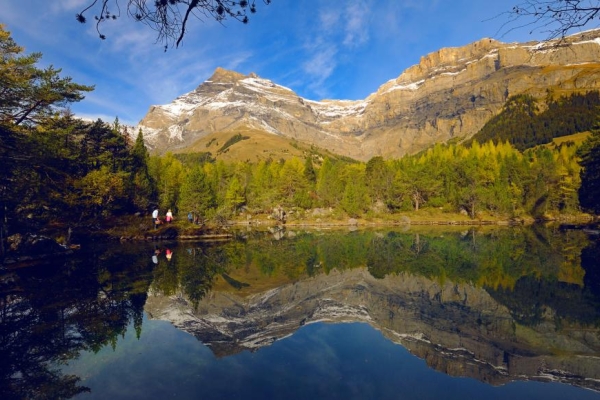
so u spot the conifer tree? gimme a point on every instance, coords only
(355, 199)
(140, 153)
(29, 94)
(589, 191)
(196, 194)
(144, 191)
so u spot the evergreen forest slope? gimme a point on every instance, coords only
(526, 122)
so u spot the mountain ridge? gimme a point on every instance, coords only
(450, 94)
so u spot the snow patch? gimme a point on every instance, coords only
(175, 132)
(595, 40)
(412, 86)
(338, 109)
(178, 107)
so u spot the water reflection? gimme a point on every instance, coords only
(51, 313)
(496, 305)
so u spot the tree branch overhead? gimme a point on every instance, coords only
(169, 18)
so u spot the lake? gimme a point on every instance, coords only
(413, 313)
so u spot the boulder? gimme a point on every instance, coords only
(31, 247)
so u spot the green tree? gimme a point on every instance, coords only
(355, 200)
(29, 94)
(309, 171)
(196, 193)
(293, 185)
(589, 191)
(418, 181)
(102, 146)
(167, 171)
(234, 197)
(262, 193)
(143, 188)
(139, 152)
(378, 179)
(34, 165)
(102, 191)
(330, 183)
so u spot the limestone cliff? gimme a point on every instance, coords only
(457, 328)
(451, 93)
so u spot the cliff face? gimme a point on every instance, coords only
(456, 328)
(451, 93)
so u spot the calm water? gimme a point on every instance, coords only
(419, 314)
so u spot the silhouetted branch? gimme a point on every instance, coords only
(170, 17)
(554, 17)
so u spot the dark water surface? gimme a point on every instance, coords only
(421, 314)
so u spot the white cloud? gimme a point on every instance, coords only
(328, 20)
(104, 117)
(69, 5)
(341, 29)
(322, 62)
(357, 17)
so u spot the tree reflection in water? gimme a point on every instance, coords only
(51, 313)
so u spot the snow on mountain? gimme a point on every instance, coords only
(450, 93)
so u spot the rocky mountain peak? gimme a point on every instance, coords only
(222, 75)
(450, 94)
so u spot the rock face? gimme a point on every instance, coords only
(456, 328)
(451, 93)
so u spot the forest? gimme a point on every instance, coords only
(60, 169)
(526, 122)
(489, 179)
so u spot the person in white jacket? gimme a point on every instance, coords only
(155, 218)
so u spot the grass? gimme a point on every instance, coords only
(257, 145)
(253, 145)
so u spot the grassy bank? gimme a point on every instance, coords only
(141, 228)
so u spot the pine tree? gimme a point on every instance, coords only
(196, 194)
(589, 191)
(140, 153)
(355, 200)
(29, 95)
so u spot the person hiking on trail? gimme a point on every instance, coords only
(169, 216)
(155, 219)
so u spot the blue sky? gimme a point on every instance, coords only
(319, 48)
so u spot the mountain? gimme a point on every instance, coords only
(456, 328)
(450, 94)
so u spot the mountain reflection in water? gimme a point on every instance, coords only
(496, 305)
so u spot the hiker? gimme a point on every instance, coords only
(190, 217)
(155, 218)
(169, 216)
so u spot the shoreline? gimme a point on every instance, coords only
(184, 232)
